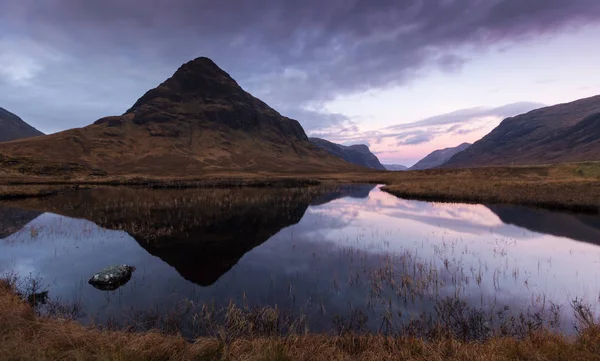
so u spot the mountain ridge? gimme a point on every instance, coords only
(395, 167)
(358, 154)
(567, 132)
(439, 157)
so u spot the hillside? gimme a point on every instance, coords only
(562, 133)
(12, 127)
(358, 154)
(439, 157)
(199, 120)
(395, 167)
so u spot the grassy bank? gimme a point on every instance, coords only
(565, 186)
(573, 186)
(27, 336)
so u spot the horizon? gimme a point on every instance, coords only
(405, 80)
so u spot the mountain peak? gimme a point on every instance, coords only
(200, 80)
(199, 120)
(198, 73)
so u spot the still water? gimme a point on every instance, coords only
(321, 253)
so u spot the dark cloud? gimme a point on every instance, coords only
(97, 57)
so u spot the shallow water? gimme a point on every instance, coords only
(322, 253)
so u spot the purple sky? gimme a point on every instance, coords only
(405, 76)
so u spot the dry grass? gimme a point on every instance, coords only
(25, 336)
(569, 186)
(573, 186)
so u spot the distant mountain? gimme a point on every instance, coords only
(198, 121)
(395, 167)
(12, 127)
(562, 133)
(439, 157)
(357, 154)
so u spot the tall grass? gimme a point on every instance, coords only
(27, 336)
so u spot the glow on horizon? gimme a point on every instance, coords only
(548, 70)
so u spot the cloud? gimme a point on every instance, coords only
(293, 54)
(407, 143)
(416, 139)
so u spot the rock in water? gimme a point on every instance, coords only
(111, 278)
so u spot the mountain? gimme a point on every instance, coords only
(356, 154)
(395, 167)
(197, 121)
(562, 133)
(439, 157)
(12, 127)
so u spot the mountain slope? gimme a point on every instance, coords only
(358, 154)
(12, 127)
(439, 157)
(197, 121)
(562, 133)
(395, 167)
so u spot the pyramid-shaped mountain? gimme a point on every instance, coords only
(198, 121)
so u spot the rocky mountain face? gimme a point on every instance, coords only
(562, 133)
(358, 154)
(395, 167)
(12, 127)
(439, 157)
(199, 120)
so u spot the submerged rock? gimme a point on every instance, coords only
(111, 278)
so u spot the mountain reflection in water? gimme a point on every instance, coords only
(320, 251)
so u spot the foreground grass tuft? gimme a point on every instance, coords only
(25, 336)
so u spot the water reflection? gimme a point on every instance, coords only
(580, 227)
(315, 251)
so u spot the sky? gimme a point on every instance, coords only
(405, 77)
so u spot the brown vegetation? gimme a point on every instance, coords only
(569, 186)
(574, 186)
(27, 336)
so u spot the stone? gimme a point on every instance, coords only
(111, 278)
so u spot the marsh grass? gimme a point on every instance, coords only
(566, 186)
(27, 336)
(569, 186)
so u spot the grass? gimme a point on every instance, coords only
(568, 186)
(573, 186)
(24, 335)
